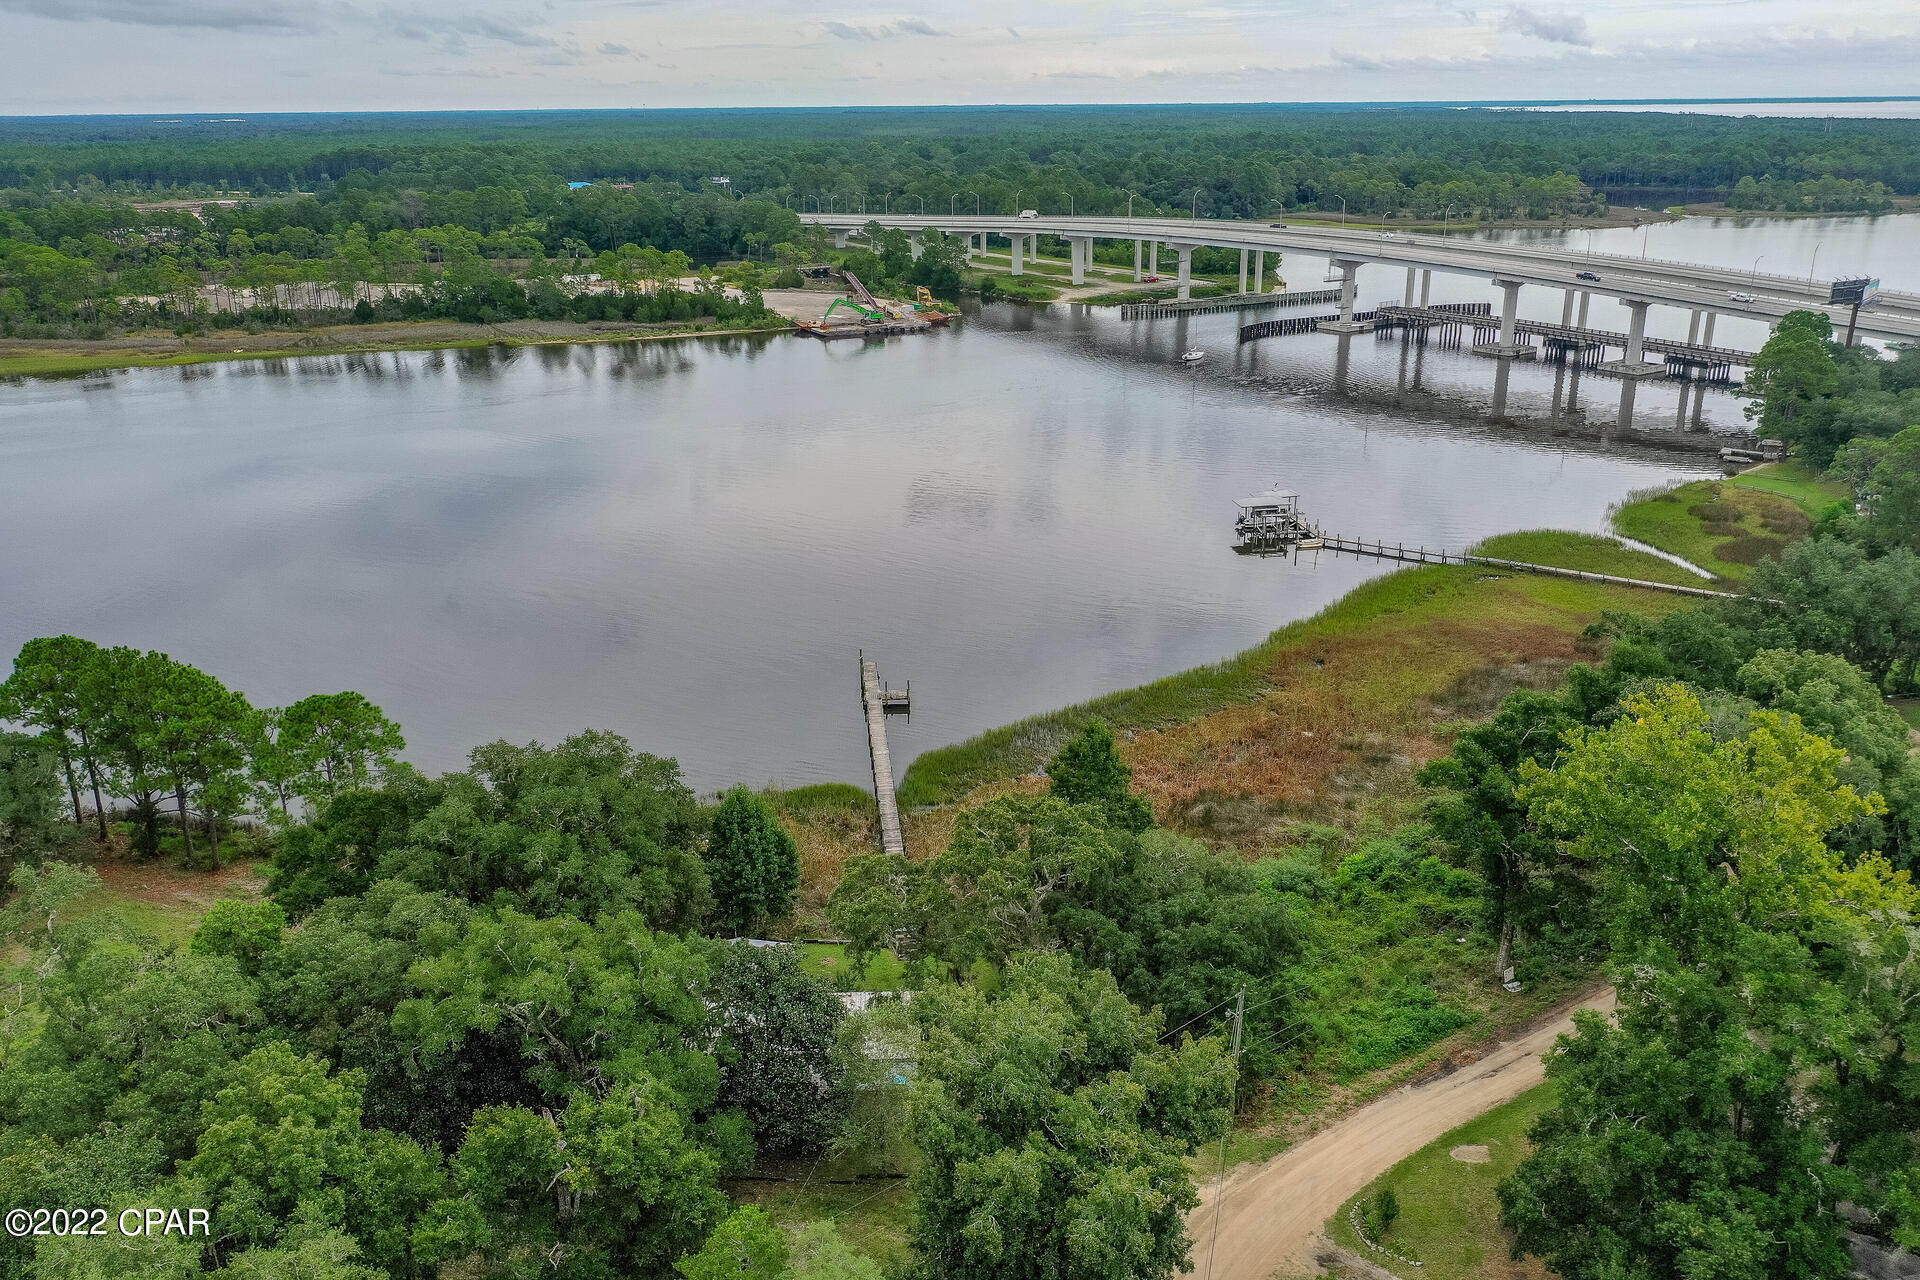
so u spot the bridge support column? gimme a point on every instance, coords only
(915, 247)
(1706, 334)
(1138, 272)
(1349, 283)
(1082, 255)
(1585, 298)
(1259, 270)
(839, 239)
(1015, 244)
(1426, 286)
(1033, 247)
(1408, 301)
(1634, 365)
(1153, 257)
(1186, 271)
(1693, 330)
(1566, 311)
(1243, 271)
(1509, 312)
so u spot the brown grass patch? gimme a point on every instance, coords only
(1749, 550)
(1348, 716)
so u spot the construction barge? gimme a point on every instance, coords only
(868, 317)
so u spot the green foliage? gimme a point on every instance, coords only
(747, 1246)
(1792, 369)
(322, 746)
(1685, 1139)
(751, 862)
(1052, 1128)
(29, 799)
(778, 1029)
(1383, 1211)
(588, 826)
(1088, 770)
(246, 931)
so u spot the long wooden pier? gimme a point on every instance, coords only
(877, 700)
(1421, 555)
(1225, 302)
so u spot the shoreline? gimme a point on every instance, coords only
(103, 354)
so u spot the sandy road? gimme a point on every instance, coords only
(1272, 1212)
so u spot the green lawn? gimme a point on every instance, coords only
(870, 1214)
(1791, 479)
(1909, 708)
(1724, 527)
(1449, 1217)
(828, 962)
(1589, 553)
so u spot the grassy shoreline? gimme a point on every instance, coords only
(1727, 526)
(947, 774)
(51, 363)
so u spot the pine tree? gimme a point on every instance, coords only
(1089, 770)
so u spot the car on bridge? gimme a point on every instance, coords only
(1280, 225)
(1737, 296)
(1587, 275)
(1029, 213)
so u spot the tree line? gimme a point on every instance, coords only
(499, 1021)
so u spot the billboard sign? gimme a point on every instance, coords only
(1853, 293)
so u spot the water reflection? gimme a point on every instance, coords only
(686, 542)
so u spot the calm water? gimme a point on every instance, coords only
(688, 542)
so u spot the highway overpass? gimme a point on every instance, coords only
(1637, 282)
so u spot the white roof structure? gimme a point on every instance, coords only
(1271, 498)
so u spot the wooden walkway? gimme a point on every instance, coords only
(1225, 302)
(873, 700)
(1421, 555)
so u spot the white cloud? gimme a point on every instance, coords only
(1555, 27)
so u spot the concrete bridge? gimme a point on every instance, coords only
(1639, 283)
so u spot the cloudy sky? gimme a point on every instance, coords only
(63, 56)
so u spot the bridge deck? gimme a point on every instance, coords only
(1570, 333)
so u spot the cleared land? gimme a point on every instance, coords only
(1449, 1214)
(1271, 1214)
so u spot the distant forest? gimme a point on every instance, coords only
(362, 200)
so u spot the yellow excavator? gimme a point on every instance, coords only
(929, 309)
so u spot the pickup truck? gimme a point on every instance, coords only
(1029, 213)
(1586, 275)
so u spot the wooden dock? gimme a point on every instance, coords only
(1223, 302)
(1421, 555)
(877, 701)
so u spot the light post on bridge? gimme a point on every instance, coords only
(1193, 206)
(1343, 211)
(917, 196)
(1753, 276)
(1070, 212)
(1814, 263)
(1016, 202)
(1445, 218)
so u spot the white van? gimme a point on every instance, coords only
(1029, 213)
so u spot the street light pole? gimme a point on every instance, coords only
(1193, 206)
(1753, 276)
(1814, 263)
(1343, 211)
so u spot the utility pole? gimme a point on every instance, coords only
(1220, 1178)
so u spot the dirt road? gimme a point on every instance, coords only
(1273, 1211)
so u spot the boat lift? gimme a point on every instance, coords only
(1270, 523)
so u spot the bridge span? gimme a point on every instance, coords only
(1639, 283)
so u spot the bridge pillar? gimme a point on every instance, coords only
(1138, 272)
(1243, 271)
(1015, 243)
(1634, 365)
(915, 248)
(1693, 329)
(1186, 271)
(1509, 312)
(1426, 286)
(1082, 255)
(1566, 311)
(1349, 283)
(1259, 270)
(839, 239)
(1153, 257)
(1409, 298)
(1706, 334)
(1585, 298)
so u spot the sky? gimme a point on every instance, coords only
(137, 56)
